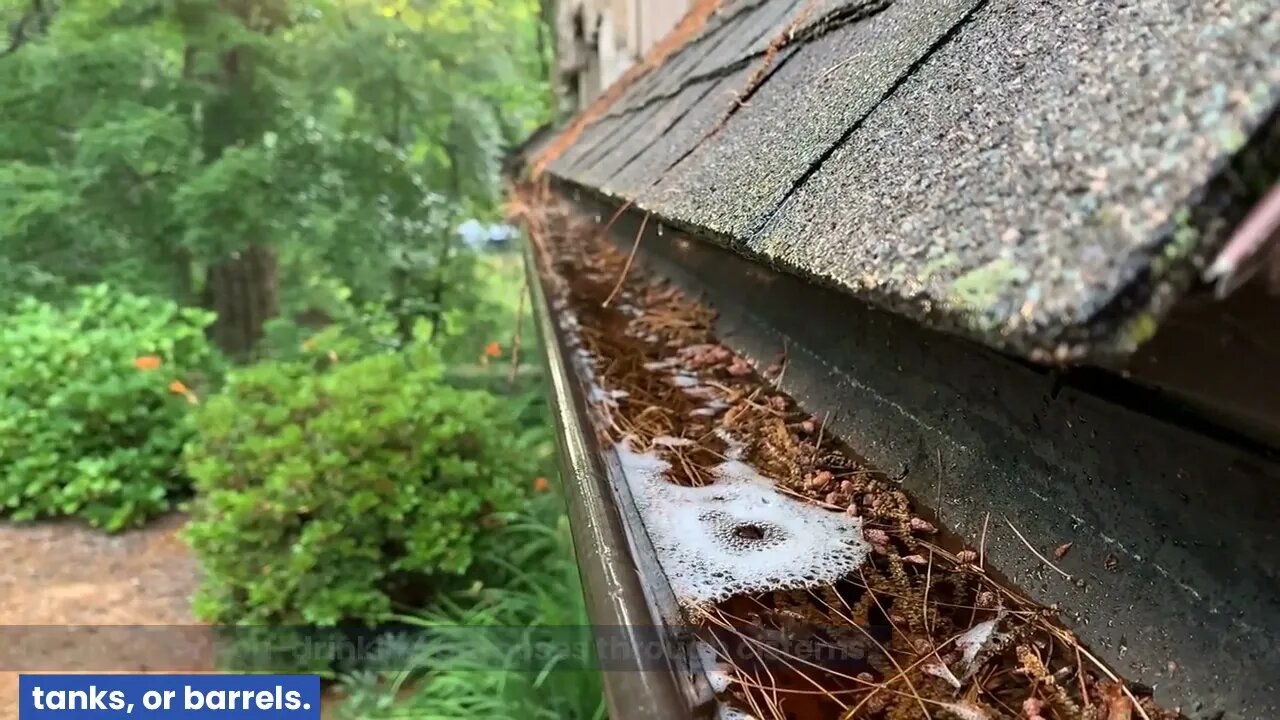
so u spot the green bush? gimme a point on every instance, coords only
(517, 650)
(91, 423)
(333, 492)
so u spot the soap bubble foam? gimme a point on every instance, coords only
(739, 534)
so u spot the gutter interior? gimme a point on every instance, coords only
(639, 360)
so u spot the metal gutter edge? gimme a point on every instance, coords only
(619, 607)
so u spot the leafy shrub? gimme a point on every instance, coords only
(94, 405)
(332, 492)
(518, 650)
(351, 333)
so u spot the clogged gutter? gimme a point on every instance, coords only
(819, 588)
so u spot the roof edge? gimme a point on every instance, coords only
(1158, 278)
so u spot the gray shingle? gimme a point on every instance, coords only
(1027, 172)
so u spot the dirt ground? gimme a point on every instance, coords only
(75, 599)
(67, 574)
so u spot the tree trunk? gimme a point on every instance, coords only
(243, 288)
(244, 291)
(436, 312)
(435, 315)
(30, 24)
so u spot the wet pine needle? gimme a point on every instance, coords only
(896, 642)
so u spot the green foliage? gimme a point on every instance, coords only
(452, 81)
(479, 660)
(145, 142)
(490, 307)
(335, 494)
(85, 427)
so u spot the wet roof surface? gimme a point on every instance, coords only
(1020, 171)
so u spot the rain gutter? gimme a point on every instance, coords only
(649, 670)
(1173, 576)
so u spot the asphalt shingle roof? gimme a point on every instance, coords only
(1046, 176)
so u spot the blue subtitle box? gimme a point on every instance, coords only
(159, 697)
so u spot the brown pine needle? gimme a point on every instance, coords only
(640, 361)
(1070, 640)
(1035, 552)
(982, 544)
(604, 231)
(902, 673)
(622, 278)
(924, 598)
(791, 661)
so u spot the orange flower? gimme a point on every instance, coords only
(147, 362)
(541, 484)
(492, 350)
(177, 387)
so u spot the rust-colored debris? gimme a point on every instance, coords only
(924, 629)
(799, 30)
(688, 28)
(780, 40)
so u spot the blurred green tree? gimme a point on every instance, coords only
(259, 157)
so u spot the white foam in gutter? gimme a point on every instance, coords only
(718, 673)
(739, 534)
